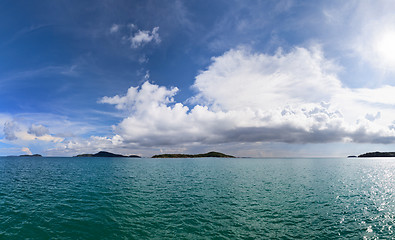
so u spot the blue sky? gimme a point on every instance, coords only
(249, 78)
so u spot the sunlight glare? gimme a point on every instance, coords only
(385, 49)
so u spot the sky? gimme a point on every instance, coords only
(279, 78)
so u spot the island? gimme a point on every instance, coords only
(30, 155)
(106, 154)
(377, 154)
(209, 154)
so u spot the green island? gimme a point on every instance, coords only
(30, 155)
(209, 154)
(106, 154)
(377, 154)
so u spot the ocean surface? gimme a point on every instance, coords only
(208, 198)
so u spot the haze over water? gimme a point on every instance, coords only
(118, 198)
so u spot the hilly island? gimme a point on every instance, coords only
(377, 154)
(203, 155)
(105, 154)
(209, 154)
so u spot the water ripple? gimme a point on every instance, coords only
(66, 198)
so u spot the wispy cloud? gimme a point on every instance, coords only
(23, 32)
(114, 28)
(17, 76)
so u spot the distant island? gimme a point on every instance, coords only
(106, 154)
(30, 155)
(377, 154)
(209, 154)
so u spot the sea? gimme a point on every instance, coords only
(203, 198)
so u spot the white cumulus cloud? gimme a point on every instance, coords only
(247, 97)
(146, 96)
(240, 79)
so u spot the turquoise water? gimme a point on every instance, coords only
(111, 198)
